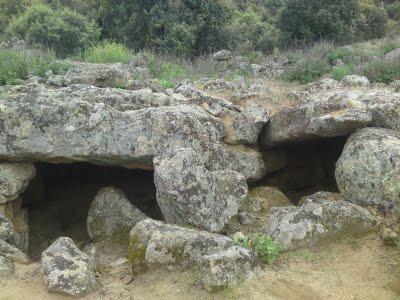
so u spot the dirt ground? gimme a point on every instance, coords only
(361, 269)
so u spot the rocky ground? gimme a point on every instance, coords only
(115, 188)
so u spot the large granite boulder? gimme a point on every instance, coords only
(14, 178)
(189, 194)
(368, 171)
(111, 216)
(66, 269)
(101, 75)
(112, 126)
(330, 114)
(154, 243)
(316, 221)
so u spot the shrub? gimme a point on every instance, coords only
(16, 65)
(393, 10)
(311, 20)
(62, 30)
(382, 70)
(339, 72)
(108, 52)
(307, 70)
(268, 250)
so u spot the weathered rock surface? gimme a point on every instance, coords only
(226, 268)
(316, 221)
(331, 114)
(13, 253)
(368, 171)
(66, 269)
(189, 194)
(112, 126)
(7, 268)
(254, 211)
(355, 80)
(394, 54)
(154, 243)
(244, 127)
(101, 75)
(111, 216)
(14, 178)
(222, 55)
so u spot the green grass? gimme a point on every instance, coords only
(385, 71)
(15, 65)
(108, 52)
(339, 72)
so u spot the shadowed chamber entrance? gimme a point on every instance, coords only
(59, 198)
(304, 168)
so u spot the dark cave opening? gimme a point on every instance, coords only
(59, 198)
(304, 168)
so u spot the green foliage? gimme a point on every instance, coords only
(10, 9)
(307, 70)
(16, 65)
(242, 240)
(393, 10)
(167, 73)
(303, 21)
(372, 22)
(62, 30)
(267, 248)
(108, 52)
(382, 70)
(339, 72)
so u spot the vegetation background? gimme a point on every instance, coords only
(112, 30)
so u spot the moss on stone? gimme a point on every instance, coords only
(136, 255)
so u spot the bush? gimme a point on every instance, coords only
(268, 250)
(63, 30)
(16, 65)
(304, 21)
(108, 52)
(382, 70)
(393, 10)
(307, 70)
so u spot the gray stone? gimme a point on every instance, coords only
(111, 216)
(226, 268)
(368, 171)
(7, 268)
(394, 54)
(100, 75)
(355, 80)
(244, 127)
(13, 253)
(112, 126)
(222, 55)
(8, 232)
(66, 269)
(332, 113)
(317, 221)
(154, 243)
(189, 194)
(14, 179)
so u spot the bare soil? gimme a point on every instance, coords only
(356, 269)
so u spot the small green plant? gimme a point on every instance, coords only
(15, 65)
(108, 52)
(397, 243)
(339, 72)
(268, 249)
(306, 254)
(241, 240)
